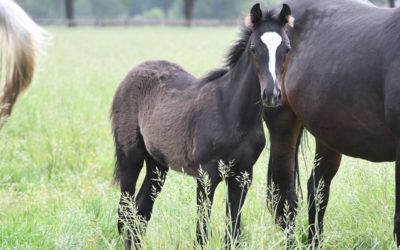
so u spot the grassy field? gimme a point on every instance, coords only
(56, 157)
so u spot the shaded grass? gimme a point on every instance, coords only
(56, 157)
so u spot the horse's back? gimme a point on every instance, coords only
(147, 80)
(152, 73)
(299, 6)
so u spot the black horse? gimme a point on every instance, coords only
(163, 115)
(341, 83)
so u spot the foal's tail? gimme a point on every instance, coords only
(21, 42)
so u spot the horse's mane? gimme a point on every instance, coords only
(215, 74)
(238, 48)
(232, 57)
(236, 51)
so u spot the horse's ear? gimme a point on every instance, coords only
(286, 15)
(255, 15)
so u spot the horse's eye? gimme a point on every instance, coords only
(252, 48)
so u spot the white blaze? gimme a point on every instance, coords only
(272, 40)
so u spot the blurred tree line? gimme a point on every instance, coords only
(99, 9)
(219, 9)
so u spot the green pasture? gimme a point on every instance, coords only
(56, 157)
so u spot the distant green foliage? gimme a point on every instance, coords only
(224, 9)
(154, 13)
(105, 8)
(44, 8)
(220, 9)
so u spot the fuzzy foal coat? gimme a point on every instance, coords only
(174, 114)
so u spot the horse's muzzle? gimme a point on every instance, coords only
(272, 100)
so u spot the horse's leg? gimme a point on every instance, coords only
(326, 165)
(207, 181)
(284, 131)
(151, 187)
(396, 231)
(238, 186)
(392, 117)
(129, 169)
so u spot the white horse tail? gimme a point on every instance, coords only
(21, 42)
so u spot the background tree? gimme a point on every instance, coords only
(69, 11)
(135, 7)
(215, 9)
(221, 9)
(43, 8)
(165, 5)
(391, 3)
(107, 9)
(189, 11)
(138, 7)
(228, 9)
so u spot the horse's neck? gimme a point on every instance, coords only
(245, 104)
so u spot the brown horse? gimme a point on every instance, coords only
(164, 116)
(21, 42)
(342, 84)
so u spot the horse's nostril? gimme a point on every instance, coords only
(264, 96)
(280, 95)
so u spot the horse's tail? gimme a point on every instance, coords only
(21, 42)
